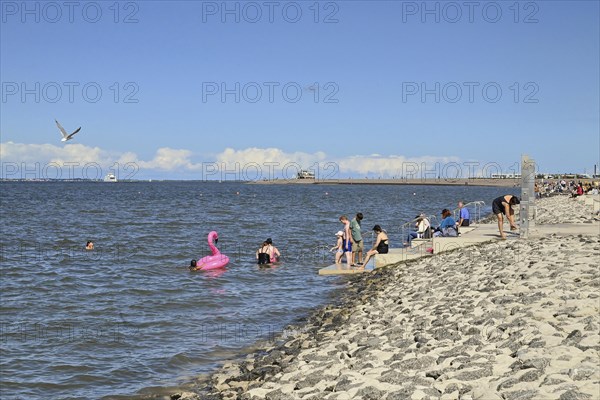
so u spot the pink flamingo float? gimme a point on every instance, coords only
(217, 260)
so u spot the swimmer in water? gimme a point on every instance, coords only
(89, 245)
(267, 254)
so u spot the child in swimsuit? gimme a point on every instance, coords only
(338, 248)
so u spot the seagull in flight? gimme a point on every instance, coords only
(65, 136)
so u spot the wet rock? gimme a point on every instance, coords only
(273, 357)
(221, 387)
(456, 351)
(507, 384)
(434, 393)
(394, 377)
(482, 393)
(581, 374)
(312, 380)
(591, 327)
(574, 395)
(402, 344)
(529, 376)
(185, 396)
(551, 380)
(344, 383)
(229, 395)
(277, 395)
(373, 342)
(420, 338)
(537, 363)
(316, 357)
(537, 343)
(370, 393)
(260, 373)
(473, 341)
(444, 333)
(521, 395)
(402, 394)
(420, 381)
(475, 374)
(361, 365)
(573, 338)
(458, 387)
(433, 374)
(417, 363)
(504, 300)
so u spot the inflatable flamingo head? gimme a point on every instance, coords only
(213, 239)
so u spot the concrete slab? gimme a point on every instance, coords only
(342, 269)
(589, 199)
(592, 229)
(419, 242)
(466, 229)
(400, 255)
(482, 234)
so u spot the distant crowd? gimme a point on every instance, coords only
(572, 188)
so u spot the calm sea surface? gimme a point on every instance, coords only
(129, 315)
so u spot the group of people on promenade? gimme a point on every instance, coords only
(449, 227)
(350, 241)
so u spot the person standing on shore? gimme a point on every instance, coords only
(347, 241)
(463, 215)
(357, 240)
(503, 205)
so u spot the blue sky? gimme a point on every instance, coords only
(371, 61)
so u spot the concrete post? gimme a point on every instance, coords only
(527, 209)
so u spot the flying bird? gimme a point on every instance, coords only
(65, 136)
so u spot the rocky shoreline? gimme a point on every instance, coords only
(504, 320)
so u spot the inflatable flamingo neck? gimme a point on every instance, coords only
(211, 238)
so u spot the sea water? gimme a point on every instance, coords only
(129, 315)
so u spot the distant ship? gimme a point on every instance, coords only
(110, 178)
(305, 174)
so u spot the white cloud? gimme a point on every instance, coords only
(48, 153)
(177, 163)
(392, 165)
(269, 155)
(167, 159)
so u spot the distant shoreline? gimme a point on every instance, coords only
(436, 182)
(489, 182)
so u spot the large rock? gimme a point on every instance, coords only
(416, 363)
(474, 374)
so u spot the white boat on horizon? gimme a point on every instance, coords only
(110, 178)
